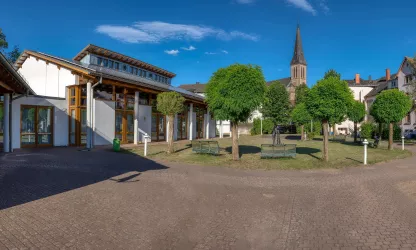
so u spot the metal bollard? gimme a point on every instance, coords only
(146, 137)
(402, 142)
(365, 142)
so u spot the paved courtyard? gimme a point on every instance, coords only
(63, 198)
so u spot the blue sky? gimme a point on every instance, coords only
(351, 36)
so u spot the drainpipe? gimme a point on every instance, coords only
(91, 112)
(90, 116)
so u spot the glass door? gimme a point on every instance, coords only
(72, 127)
(28, 131)
(44, 126)
(129, 127)
(83, 127)
(199, 127)
(181, 127)
(36, 126)
(158, 127)
(119, 125)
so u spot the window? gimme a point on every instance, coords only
(110, 64)
(130, 102)
(116, 66)
(130, 70)
(83, 96)
(103, 92)
(407, 119)
(140, 72)
(99, 61)
(144, 73)
(72, 96)
(105, 62)
(120, 98)
(135, 71)
(144, 98)
(124, 67)
(150, 75)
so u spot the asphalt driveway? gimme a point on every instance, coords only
(63, 198)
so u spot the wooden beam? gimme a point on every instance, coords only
(5, 86)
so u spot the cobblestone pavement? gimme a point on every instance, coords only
(61, 198)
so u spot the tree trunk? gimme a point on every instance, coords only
(391, 136)
(302, 136)
(355, 132)
(170, 135)
(325, 132)
(380, 130)
(235, 151)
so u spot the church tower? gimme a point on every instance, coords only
(298, 67)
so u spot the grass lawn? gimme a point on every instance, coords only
(309, 154)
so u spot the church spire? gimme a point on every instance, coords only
(298, 56)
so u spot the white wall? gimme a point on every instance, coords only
(104, 122)
(60, 118)
(46, 79)
(145, 120)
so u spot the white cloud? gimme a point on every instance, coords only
(173, 52)
(224, 51)
(190, 48)
(156, 31)
(210, 53)
(245, 1)
(324, 6)
(304, 5)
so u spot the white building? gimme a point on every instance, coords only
(96, 97)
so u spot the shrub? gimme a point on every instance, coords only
(267, 126)
(311, 135)
(366, 130)
(397, 132)
(316, 127)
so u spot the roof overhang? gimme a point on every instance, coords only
(10, 80)
(93, 49)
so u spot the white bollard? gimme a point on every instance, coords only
(145, 144)
(402, 142)
(365, 142)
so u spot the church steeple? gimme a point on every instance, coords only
(298, 56)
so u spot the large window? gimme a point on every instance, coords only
(124, 122)
(36, 126)
(1, 121)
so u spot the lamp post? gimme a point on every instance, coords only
(365, 142)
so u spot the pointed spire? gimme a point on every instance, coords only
(298, 56)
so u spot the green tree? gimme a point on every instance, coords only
(390, 107)
(332, 73)
(276, 104)
(301, 92)
(327, 99)
(13, 55)
(356, 114)
(367, 130)
(301, 116)
(3, 43)
(233, 93)
(169, 104)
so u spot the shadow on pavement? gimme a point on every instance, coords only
(28, 175)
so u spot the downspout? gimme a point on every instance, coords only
(10, 123)
(92, 110)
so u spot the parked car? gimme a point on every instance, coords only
(410, 134)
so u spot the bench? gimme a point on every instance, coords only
(339, 138)
(279, 150)
(205, 147)
(374, 144)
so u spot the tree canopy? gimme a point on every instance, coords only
(391, 106)
(169, 104)
(301, 92)
(356, 111)
(329, 98)
(332, 73)
(276, 104)
(3, 42)
(12, 55)
(328, 101)
(234, 92)
(300, 114)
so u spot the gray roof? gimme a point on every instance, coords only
(285, 81)
(382, 86)
(298, 56)
(369, 83)
(195, 88)
(122, 76)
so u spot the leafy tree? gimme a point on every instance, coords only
(257, 126)
(356, 114)
(276, 104)
(3, 43)
(367, 130)
(329, 98)
(13, 55)
(390, 107)
(233, 93)
(301, 116)
(169, 104)
(332, 73)
(301, 92)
